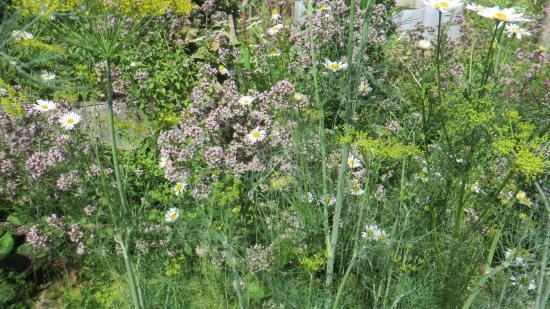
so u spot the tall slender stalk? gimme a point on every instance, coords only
(114, 151)
(136, 295)
(541, 302)
(488, 59)
(343, 163)
(438, 58)
(357, 239)
(321, 114)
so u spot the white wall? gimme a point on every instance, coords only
(407, 19)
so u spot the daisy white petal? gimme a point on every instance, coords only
(517, 31)
(172, 215)
(275, 29)
(505, 15)
(443, 6)
(179, 187)
(44, 105)
(335, 66)
(48, 75)
(222, 70)
(69, 120)
(353, 162)
(256, 135)
(22, 35)
(424, 44)
(246, 100)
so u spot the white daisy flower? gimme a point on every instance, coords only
(69, 120)
(163, 162)
(382, 236)
(506, 15)
(324, 8)
(474, 7)
(275, 15)
(364, 88)
(353, 162)
(522, 281)
(246, 100)
(328, 200)
(424, 44)
(22, 35)
(518, 259)
(48, 75)
(298, 96)
(475, 188)
(371, 232)
(335, 66)
(309, 197)
(275, 29)
(276, 53)
(179, 187)
(356, 190)
(222, 70)
(515, 30)
(172, 215)
(3, 92)
(523, 199)
(133, 64)
(443, 6)
(44, 105)
(256, 135)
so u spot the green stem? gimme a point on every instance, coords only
(343, 164)
(129, 270)
(541, 303)
(461, 200)
(336, 223)
(438, 59)
(114, 151)
(138, 302)
(233, 264)
(321, 113)
(488, 59)
(355, 246)
(481, 282)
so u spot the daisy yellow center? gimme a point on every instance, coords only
(173, 215)
(441, 5)
(323, 8)
(356, 189)
(70, 121)
(256, 134)
(383, 237)
(44, 107)
(334, 66)
(517, 30)
(221, 68)
(246, 101)
(522, 280)
(501, 16)
(370, 232)
(179, 186)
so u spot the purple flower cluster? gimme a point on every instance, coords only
(67, 180)
(214, 131)
(6, 164)
(55, 222)
(37, 239)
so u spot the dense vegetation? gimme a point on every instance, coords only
(220, 154)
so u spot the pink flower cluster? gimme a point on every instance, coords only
(214, 131)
